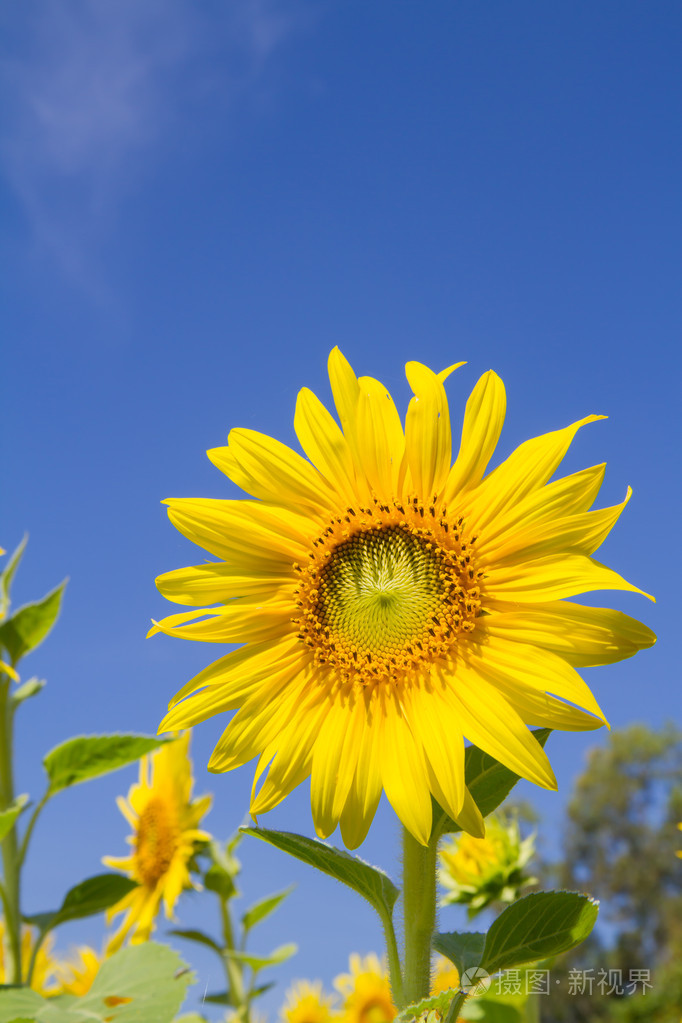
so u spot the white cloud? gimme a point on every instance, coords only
(94, 87)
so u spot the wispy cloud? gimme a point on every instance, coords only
(93, 88)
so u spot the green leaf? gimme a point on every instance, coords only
(85, 899)
(488, 781)
(199, 937)
(219, 998)
(219, 881)
(254, 914)
(28, 689)
(8, 575)
(141, 984)
(20, 1003)
(261, 989)
(190, 1017)
(465, 949)
(373, 884)
(540, 924)
(432, 1009)
(280, 955)
(220, 876)
(31, 624)
(9, 815)
(89, 756)
(152, 976)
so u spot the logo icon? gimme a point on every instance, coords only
(475, 981)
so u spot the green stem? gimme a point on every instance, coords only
(233, 969)
(419, 908)
(393, 956)
(23, 848)
(10, 860)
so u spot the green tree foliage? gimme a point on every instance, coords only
(620, 843)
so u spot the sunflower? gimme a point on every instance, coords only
(165, 832)
(392, 604)
(307, 1003)
(478, 871)
(366, 991)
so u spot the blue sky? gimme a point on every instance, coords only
(199, 201)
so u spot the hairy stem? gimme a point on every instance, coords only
(419, 907)
(394, 968)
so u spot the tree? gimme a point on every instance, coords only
(620, 843)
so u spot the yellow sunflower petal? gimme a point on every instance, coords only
(526, 469)
(365, 790)
(280, 474)
(261, 718)
(225, 459)
(483, 421)
(566, 496)
(218, 583)
(489, 721)
(581, 534)
(583, 636)
(469, 817)
(289, 757)
(345, 389)
(334, 760)
(404, 773)
(551, 578)
(197, 708)
(243, 533)
(126, 810)
(428, 438)
(325, 445)
(540, 710)
(531, 666)
(379, 436)
(241, 668)
(435, 722)
(231, 624)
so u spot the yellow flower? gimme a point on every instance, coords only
(77, 973)
(306, 1003)
(392, 604)
(165, 830)
(365, 991)
(46, 968)
(445, 976)
(478, 871)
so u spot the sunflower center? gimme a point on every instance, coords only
(156, 841)
(379, 590)
(387, 593)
